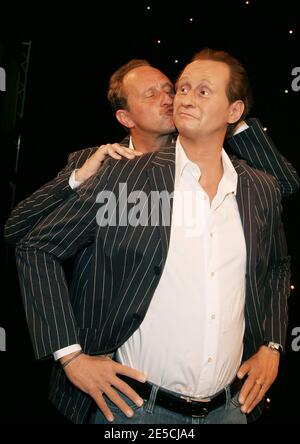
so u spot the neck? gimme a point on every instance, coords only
(206, 153)
(147, 143)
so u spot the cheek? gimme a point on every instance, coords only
(176, 110)
(214, 110)
(176, 101)
(149, 117)
(143, 113)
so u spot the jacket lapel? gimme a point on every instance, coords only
(246, 204)
(161, 175)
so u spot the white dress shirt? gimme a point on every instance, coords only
(191, 340)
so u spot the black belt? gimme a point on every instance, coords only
(181, 405)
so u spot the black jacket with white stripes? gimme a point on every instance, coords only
(253, 144)
(127, 263)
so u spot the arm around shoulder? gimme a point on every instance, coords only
(256, 146)
(28, 213)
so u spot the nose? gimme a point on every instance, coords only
(187, 99)
(167, 98)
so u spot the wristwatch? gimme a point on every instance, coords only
(273, 346)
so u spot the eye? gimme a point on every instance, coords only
(204, 92)
(170, 91)
(149, 95)
(182, 89)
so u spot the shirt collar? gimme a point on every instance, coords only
(229, 178)
(184, 163)
(131, 143)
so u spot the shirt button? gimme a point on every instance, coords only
(212, 274)
(210, 360)
(212, 317)
(211, 234)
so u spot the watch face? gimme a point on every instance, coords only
(275, 346)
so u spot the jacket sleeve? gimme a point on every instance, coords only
(32, 210)
(277, 280)
(61, 234)
(256, 147)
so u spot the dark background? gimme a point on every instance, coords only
(74, 51)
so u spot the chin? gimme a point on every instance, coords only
(184, 128)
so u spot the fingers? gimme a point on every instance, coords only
(112, 151)
(251, 394)
(97, 375)
(117, 151)
(119, 402)
(106, 387)
(116, 399)
(128, 391)
(103, 407)
(261, 370)
(247, 386)
(256, 401)
(243, 370)
(130, 372)
(124, 150)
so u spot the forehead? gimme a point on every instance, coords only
(217, 73)
(144, 77)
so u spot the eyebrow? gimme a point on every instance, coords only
(166, 84)
(185, 79)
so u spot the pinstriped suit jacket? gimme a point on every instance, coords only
(127, 263)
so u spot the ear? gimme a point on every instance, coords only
(236, 110)
(123, 116)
